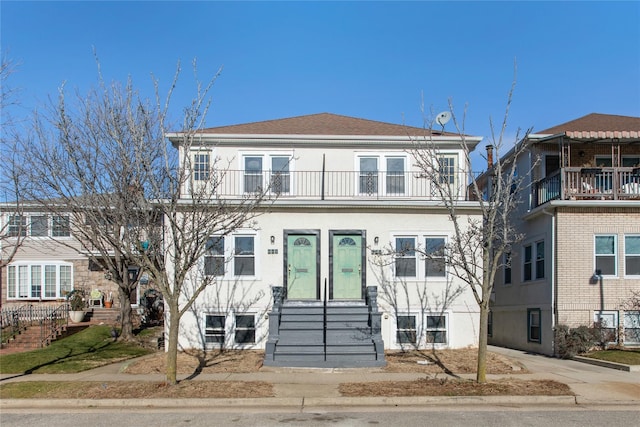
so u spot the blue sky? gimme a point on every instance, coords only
(364, 59)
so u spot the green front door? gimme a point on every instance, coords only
(302, 272)
(347, 266)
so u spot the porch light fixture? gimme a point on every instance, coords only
(376, 240)
(272, 239)
(597, 276)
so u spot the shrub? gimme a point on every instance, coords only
(573, 341)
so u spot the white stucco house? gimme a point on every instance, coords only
(332, 272)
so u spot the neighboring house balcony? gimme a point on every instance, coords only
(333, 185)
(599, 183)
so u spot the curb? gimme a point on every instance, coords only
(293, 402)
(607, 364)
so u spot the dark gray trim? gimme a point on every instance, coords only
(363, 258)
(285, 242)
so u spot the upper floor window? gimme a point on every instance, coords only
(527, 266)
(507, 268)
(632, 255)
(540, 260)
(38, 225)
(382, 174)
(448, 168)
(201, 166)
(533, 268)
(605, 255)
(277, 174)
(17, 226)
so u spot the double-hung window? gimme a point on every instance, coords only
(214, 260)
(243, 261)
(405, 257)
(201, 166)
(406, 332)
(632, 255)
(606, 255)
(214, 329)
(245, 332)
(17, 226)
(435, 257)
(533, 325)
(436, 330)
(607, 324)
(533, 268)
(60, 226)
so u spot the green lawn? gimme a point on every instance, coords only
(88, 349)
(628, 357)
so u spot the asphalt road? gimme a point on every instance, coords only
(406, 417)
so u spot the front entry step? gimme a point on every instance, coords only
(298, 338)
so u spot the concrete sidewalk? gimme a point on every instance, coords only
(299, 387)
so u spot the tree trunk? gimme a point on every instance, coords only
(481, 375)
(172, 347)
(126, 325)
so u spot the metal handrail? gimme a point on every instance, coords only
(324, 320)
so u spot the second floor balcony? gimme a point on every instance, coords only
(334, 185)
(605, 183)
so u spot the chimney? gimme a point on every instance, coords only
(489, 156)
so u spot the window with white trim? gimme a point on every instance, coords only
(44, 280)
(17, 226)
(606, 322)
(632, 255)
(60, 226)
(382, 174)
(214, 259)
(406, 331)
(262, 169)
(39, 226)
(606, 259)
(231, 256)
(632, 327)
(201, 166)
(406, 259)
(436, 329)
(214, 329)
(435, 265)
(245, 329)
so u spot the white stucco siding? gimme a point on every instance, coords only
(252, 295)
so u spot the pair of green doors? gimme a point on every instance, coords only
(302, 264)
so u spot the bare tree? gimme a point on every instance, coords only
(132, 199)
(475, 251)
(12, 227)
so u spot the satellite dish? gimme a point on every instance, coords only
(443, 118)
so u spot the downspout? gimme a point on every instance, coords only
(554, 292)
